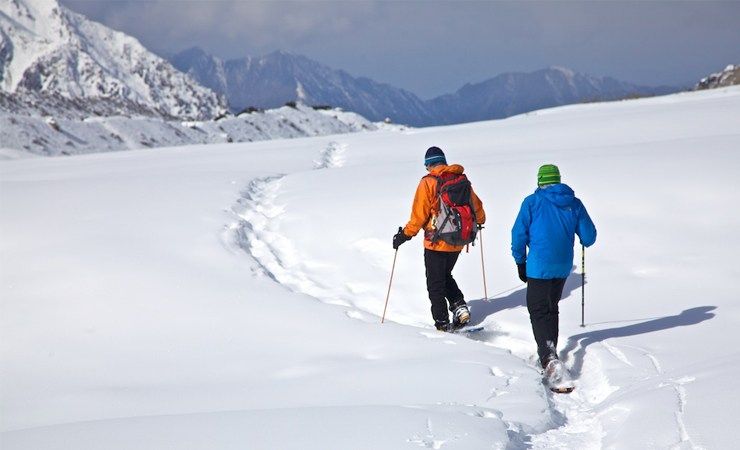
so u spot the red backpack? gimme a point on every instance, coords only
(455, 220)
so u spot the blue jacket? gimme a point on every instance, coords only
(547, 223)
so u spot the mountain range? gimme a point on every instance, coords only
(272, 80)
(56, 62)
(280, 77)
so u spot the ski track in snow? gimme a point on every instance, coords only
(575, 422)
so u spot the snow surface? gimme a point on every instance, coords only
(227, 296)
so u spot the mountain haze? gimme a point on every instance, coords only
(280, 77)
(516, 93)
(272, 80)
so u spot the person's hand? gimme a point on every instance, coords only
(480, 226)
(522, 268)
(399, 238)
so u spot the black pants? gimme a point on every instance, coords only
(542, 302)
(440, 284)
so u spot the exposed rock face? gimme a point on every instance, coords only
(728, 77)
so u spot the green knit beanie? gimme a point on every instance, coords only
(548, 174)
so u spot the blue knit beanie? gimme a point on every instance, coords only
(434, 156)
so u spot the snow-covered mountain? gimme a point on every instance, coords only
(24, 135)
(515, 93)
(272, 80)
(280, 77)
(47, 49)
(728, 77)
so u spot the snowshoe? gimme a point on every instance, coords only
(467, 329)
(558, 378)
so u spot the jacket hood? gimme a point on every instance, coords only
(560, 194)
(442, 168)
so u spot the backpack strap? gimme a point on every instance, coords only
(435, 236)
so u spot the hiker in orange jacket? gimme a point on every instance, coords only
(440, 251)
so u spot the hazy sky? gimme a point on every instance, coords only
(434, 47)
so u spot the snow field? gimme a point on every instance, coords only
(155, 298)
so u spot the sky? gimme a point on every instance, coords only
(435, 47)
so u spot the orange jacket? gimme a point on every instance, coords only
(426, 207)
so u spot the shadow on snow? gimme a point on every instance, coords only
(481, 309)
(577, 344)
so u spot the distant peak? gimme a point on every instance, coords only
(192, 51)
(564, 70)
(33, 9)
(283, 53)
(39, 4)
(193, 55)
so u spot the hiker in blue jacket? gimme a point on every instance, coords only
(547, 223)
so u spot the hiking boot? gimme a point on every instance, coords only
(554, 369)
(443, 326)
(461, 315)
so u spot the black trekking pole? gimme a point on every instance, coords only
(583, 284)
(382, 319)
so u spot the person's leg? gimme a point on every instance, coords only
(455, 297)
(452, 292)
(436, 264)
(556, 292)
(538, 304)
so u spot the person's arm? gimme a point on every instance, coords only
(586, 230)
(480, 214)
(421, 209)
(520, 233)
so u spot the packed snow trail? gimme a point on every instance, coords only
(258, 233)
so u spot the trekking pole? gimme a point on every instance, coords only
(583, 284)
(382, 319)
(482, 264)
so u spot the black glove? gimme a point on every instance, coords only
(522, 268)
(399, 238)
(480, 226)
